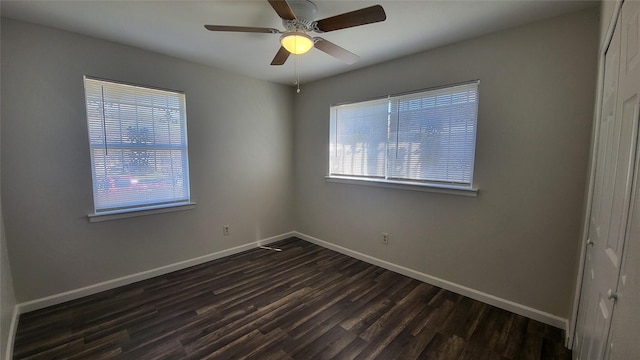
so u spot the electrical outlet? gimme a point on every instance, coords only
(385, 239)
(225, 230)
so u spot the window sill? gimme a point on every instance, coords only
(406, 185)
(133, 213)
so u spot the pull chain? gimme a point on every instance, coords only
(297, 80)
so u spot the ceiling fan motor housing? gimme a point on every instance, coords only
(305, 12)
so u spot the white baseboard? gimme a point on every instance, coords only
(508, 305)
(504, 304)
(144, 275)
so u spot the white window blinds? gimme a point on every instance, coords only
(138, 145)
(359, 140)
(427, 136)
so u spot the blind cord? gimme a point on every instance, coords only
(397, 125)
(104, 122)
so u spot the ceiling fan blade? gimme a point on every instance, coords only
(281, 56)
(242, 29)
(363, 16)
(282, 8)
(336, 51)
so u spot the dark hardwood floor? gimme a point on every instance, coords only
(305, 302)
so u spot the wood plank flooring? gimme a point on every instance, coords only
(305, 302)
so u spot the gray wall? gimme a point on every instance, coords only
(518, 239)
(7, 295)
(240, 145)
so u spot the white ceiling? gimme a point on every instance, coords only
(176, 28)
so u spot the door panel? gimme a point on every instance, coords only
(621, 192)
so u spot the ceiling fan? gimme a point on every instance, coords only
(298, 19)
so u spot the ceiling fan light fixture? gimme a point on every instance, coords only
(296, 42)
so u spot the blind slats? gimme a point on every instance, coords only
(427, 136)
(138, 142)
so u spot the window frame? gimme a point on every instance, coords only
(386, 181)
(127, 206)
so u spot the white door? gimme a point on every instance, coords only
(626, 317)
(586, 334)
(612, 190)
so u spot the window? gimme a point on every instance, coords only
(138, 144)
(422, 138)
